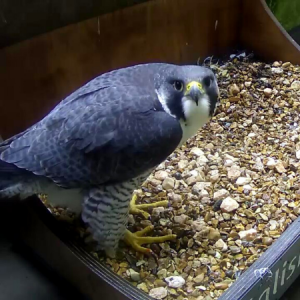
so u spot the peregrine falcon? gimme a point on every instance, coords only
(100, 144)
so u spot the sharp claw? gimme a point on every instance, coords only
(154, 256)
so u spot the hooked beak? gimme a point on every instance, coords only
(194, 90)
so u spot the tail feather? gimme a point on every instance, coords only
(14, 181)
(9, 168)
(11, 178)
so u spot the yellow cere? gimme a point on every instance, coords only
(196, 84)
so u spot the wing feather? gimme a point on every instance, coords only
(109, 135)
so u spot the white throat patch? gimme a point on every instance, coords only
(196, 116)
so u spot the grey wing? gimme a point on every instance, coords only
(98, 138)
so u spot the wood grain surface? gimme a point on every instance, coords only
(38, 73)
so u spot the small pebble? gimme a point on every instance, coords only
(158, 293)
(162, 273)
(248, 235)
(214, 234)
(142, 286)
(235, 249)
(168, 183)
(267, 241)
(180, 219)
(135, 276)
(273, 224)
(280, 167)
(277, 70)
(161, 175)
(199, 278)
(183, 164)
(199, 225)
(221, 285)
(220, 194)
(175, 281)
(157, 211)
(234, 89)
(295, 85)
(229, 205)
(243, 180)
(228, 163)
(267, 92)
(221, 245)
(197, 152)
(233, 173)
(271, 163)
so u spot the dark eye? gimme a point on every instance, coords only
(207, 81)
(178, 85)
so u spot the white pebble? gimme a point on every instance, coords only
(197, 151)
(202, 160)
(175, 281)
(233, 173)
(229, 205)
(277, 70)
(228, 163)
(183, 164)
(243, 180)
(221, 245)
(248, 235)
(267, 92)
(158, 293)
(295, 85)
(135, 276)
(258, 164)
(220, 194)
(199, 186)
(194, 173)
(273, 224)
(157, 211)
(180, 219)
(168, 183)
(227, 156)
(271, 163)
(161, 175)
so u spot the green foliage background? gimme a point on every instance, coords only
(287, 12)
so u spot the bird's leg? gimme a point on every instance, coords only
(139, 208)
(135, 240)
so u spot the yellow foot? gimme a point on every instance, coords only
(139, 208)
(135, 240)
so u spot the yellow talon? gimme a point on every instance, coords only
(135, 240)
(139, 208)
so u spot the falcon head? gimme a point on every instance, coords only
(186, 92)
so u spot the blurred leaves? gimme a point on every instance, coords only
(287, 12)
